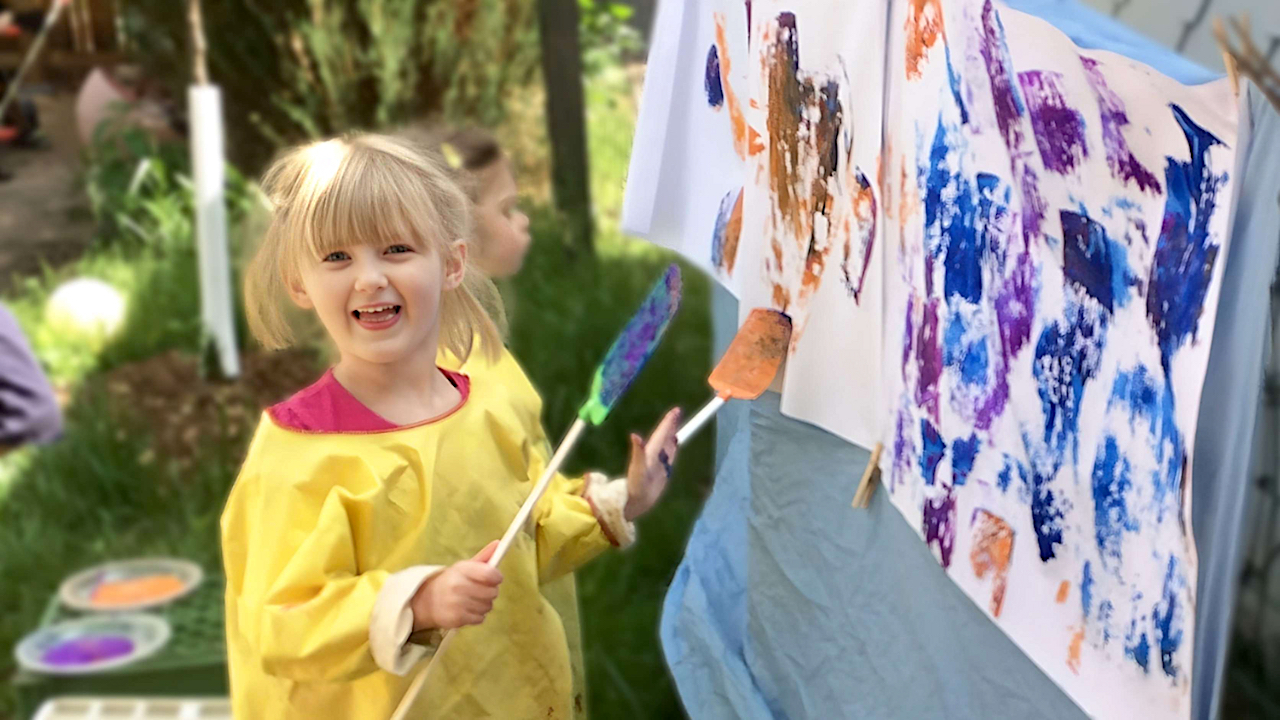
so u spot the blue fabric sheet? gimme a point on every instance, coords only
(789, 604)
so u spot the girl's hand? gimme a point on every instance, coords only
(462, 594)
(650, 466)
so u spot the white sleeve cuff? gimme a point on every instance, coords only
(391, 622)
(608, 499)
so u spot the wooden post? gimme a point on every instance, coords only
(566, 116)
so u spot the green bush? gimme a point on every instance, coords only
(296, 69)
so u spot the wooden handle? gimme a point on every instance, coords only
(562, 452)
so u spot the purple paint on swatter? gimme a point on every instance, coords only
(88, 650)
(633, 347)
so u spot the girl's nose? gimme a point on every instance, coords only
(370, 277)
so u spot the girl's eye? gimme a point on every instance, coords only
(337, 256)
(394, 249)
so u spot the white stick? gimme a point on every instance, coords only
(562, 452)
(50, 19)
(208, 163)
(697, 421)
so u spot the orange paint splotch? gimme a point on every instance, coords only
(924, 28)
(1063, 591)
(736, 117)
(1073, 650)
(781, 297)
(991, 553)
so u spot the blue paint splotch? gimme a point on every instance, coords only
(727, 231)
(1151, 415)
(1168, 618)
(931, 451)
(1136, 646)
(953, 79)
(711, 82)
(1068, 355)
(965, 354)
(1047, 511)
(1185, 254)
(1112, 485)
(1114, 118)
(1094, 262)
(963, 454)
(1059, 129)
(1086, 589)
(939, 525)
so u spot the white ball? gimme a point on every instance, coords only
(86, 306)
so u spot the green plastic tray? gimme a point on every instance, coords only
(194, 662)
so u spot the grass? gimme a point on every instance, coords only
(100, 492)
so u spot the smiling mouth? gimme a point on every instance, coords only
(376, 314)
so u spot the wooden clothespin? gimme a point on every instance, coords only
(1228, 59)
(867, 486)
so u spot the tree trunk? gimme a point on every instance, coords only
(566, 117)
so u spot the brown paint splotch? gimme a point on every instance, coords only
(991, 553)
(802, 154)
(738, 120)
(923, 28)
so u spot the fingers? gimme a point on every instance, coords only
(479, 573)
(484, 555)
(666, 429)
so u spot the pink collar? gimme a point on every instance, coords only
(328, 407)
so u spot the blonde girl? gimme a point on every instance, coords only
(357, 530)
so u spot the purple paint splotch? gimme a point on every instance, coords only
(711, 82)
(1015, 307)
(88, 650)
(1004, 93)
(1124, 166)
(929, 359)
(1185, 254)
(634, 345)
(1058, 128)
(939, 525)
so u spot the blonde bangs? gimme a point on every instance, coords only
(351, 192)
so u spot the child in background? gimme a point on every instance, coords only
(358, 529)
(500, 242)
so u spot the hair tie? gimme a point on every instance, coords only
(451, 156)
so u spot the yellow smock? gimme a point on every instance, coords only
(317, 522)
(526, 403)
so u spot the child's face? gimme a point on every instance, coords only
(502, 231)
(380, 304)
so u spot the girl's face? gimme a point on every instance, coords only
(380, 304)
(502, 231)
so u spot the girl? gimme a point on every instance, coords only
(350, 538)
(500, 242)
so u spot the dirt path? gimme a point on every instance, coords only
(44, 212)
